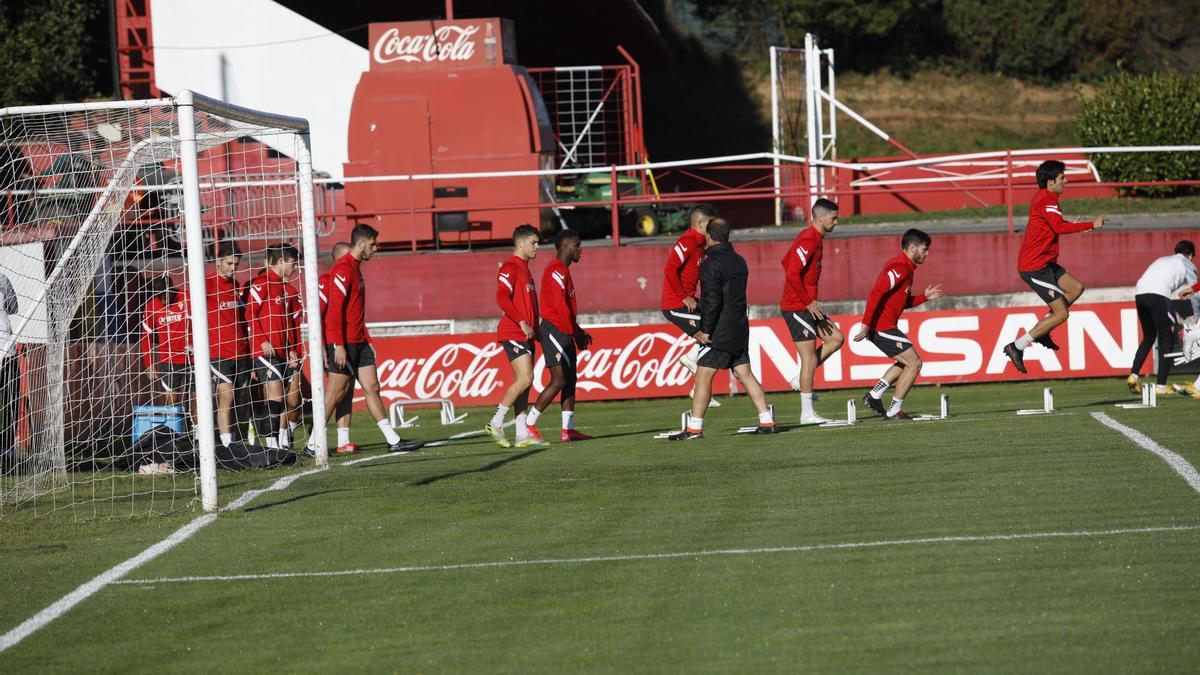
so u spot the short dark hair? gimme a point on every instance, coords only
(227, 248)
(524, 232)
(344, 245)
(1185, 247)
(561, 239)
(914, 237)
(362, 231)
(161, 287)
(718, 229)
(1048, 171)
(825, 205)
(706, 210)
(277, 252)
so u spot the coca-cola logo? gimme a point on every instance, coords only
(447, 43)
(456, 370)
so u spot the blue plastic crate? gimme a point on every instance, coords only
(146, 417)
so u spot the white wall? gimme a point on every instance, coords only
(312, 74)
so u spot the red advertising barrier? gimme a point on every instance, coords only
(629, 362)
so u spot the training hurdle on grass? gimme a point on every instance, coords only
(1047, 404)
(1149, 399)
(399, 421)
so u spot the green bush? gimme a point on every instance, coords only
(1023, 38)
(1156, 109)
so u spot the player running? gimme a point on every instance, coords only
(560, 334)
(890, 296)
(346, 405)
(517, 297)
(724, 331)
(348, 352)
(805, 319)
(1037, 262)
(228, 350)
(680, 276)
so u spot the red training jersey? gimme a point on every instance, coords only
(681, 274)
(166, 332)
(346, 308)
(1039, 248)
(270, 316)
(802, 270)
(558, 297)
(517, 298)
(322, 294)
(226, 320)
(891, 295)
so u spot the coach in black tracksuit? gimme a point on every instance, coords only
(724, 329)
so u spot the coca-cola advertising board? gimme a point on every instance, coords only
(428, 45)
(629, 362)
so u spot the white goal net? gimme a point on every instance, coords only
(148, 249)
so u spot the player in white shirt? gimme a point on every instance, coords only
(1153, 293)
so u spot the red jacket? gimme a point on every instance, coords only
(1039, 248)
(322, 293)
(681, 274)
(517, 298)
(226, 320)
(346, 310)
(166, 332)
(891, 295)
(271, 316)
(558, 298)
(802, 269)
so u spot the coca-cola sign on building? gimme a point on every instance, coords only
(425, 45)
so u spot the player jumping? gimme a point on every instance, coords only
(1037, 262)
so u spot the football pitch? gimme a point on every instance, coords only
(985, 541)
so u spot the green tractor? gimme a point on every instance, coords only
(641, 220)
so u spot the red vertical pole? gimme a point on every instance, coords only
(449, 10)
(1008, 189)
(805, 168)
(616, 213)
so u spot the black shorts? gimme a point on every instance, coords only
(515, 349)
(558, 348)
(1044, 282)
(802, 324)
(891, 341)
(358, 354)
(230, 371)
(271, 368)
(711, 357)
(685, 319)
(175, 377)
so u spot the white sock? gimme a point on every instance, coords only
(806, 408)
(568, 419)
(1197, 382)
(1022, 343)
(880, 387)
(272, 442)
(388, 432)
(522, 426)
(896, 404)
(696, 424)
(766, 417)
(532, 418)
(498, 418)
(226, 439)
(283, 438)
(343, 435)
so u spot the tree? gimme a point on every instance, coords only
(46, 51)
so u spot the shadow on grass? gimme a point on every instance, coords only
(483, 469)
(416, 459)
(289, 500)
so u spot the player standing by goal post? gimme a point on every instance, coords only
(890, 296)
(805, 319)
(345, 406)
(230, 357)
(1037, 262)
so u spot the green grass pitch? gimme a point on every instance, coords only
(985, 541)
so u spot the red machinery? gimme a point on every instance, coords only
(446, 97)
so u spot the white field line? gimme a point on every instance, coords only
(1176, 462)
(672, 555)
(85, 591)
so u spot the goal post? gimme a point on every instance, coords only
(115, 221)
